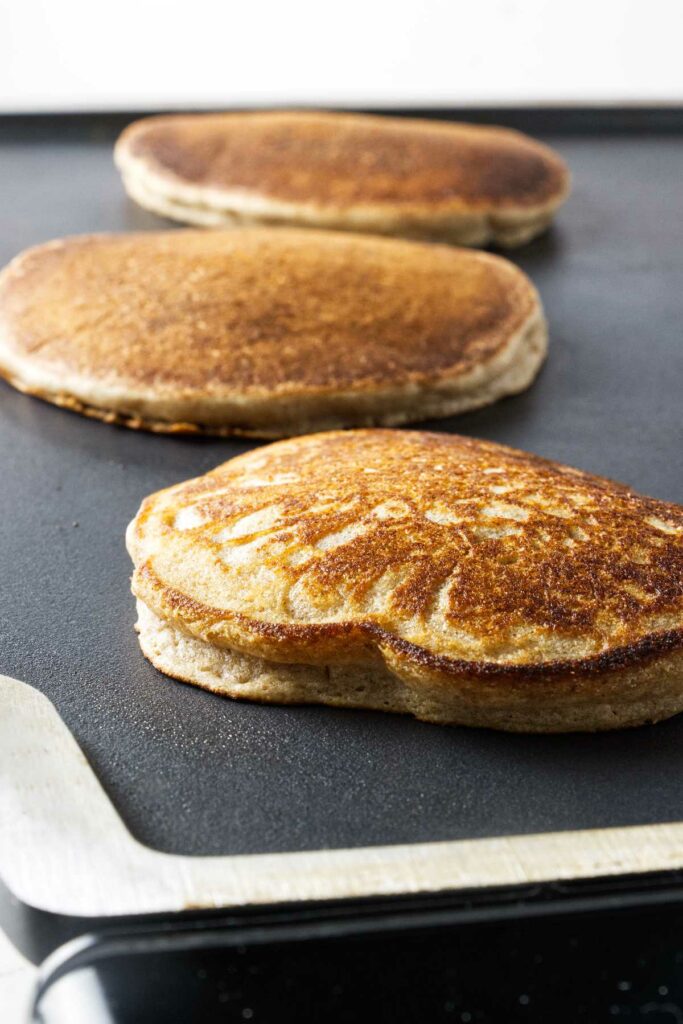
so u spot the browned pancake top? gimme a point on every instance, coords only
(346, 160)
(258, 311)
(434, 546)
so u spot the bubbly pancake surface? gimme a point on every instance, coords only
(214, 328)
(440, 554)
(393, 175)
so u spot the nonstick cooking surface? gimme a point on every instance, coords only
(194, 773)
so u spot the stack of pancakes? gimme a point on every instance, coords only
(459, 581)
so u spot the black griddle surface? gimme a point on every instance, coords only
(194, 773)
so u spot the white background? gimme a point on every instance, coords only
(128, 54)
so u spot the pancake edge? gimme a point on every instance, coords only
(650, 693)
(210, 207)
(508, 372)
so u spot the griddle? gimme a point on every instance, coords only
(192, 773)
(499, 905)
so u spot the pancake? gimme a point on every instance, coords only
(266, 332)
(456, 580)
(458, 183)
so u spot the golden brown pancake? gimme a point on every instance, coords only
(459, 183)
(456, 580)
(266, 332)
